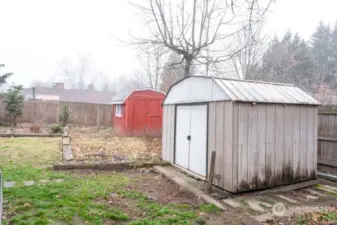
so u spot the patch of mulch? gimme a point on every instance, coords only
(92, 144)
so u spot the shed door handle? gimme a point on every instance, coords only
(189, 137)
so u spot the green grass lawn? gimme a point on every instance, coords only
(29, 151)
(90, 198)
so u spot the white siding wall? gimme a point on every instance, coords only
(168, 133)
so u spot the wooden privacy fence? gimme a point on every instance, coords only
(89, 114)
(327, 135)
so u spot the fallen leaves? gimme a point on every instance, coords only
(91, 144)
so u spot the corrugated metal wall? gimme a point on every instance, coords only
(220, 139)
(168, 133)
(262, 145)
(275, 144)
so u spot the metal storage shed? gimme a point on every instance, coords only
(264, 134)
(138, 112)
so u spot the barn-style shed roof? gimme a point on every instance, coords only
(207, 89)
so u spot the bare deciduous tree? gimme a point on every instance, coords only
(151, 60)
(195, 28)
(173, 71)
(245, 63)
(128, 82)
(77, 74)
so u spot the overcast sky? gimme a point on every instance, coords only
(36, 34)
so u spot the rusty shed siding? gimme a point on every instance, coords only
(275, 144)
(168, 133)
(220, 139)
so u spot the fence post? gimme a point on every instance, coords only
(97, 119)
(58, 112)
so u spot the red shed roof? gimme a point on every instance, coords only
(121, 96)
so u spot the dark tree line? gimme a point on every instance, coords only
(308, 64)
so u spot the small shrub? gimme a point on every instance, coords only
(35, 128)
(64, 115)
(14, 102)
(56, 128)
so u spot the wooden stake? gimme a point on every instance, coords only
(211, 174)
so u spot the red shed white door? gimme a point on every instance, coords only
(191, 138)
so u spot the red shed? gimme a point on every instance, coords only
(138, 112)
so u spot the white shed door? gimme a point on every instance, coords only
(182, 131)
(191, 134)
(198, 141)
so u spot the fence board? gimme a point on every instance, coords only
(327, 134)
(89, 114)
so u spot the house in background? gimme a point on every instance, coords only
(138, 112)
(59, 93)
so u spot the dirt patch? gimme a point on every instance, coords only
(158, 188)
(154, 186)
(163, 191)
(92, 144)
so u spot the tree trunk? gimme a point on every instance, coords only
(187, 66)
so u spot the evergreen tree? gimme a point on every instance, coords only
(321, 47)
(64, 116)
(333, 48)
(289, 60)
(14, 102)
(3, 77)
